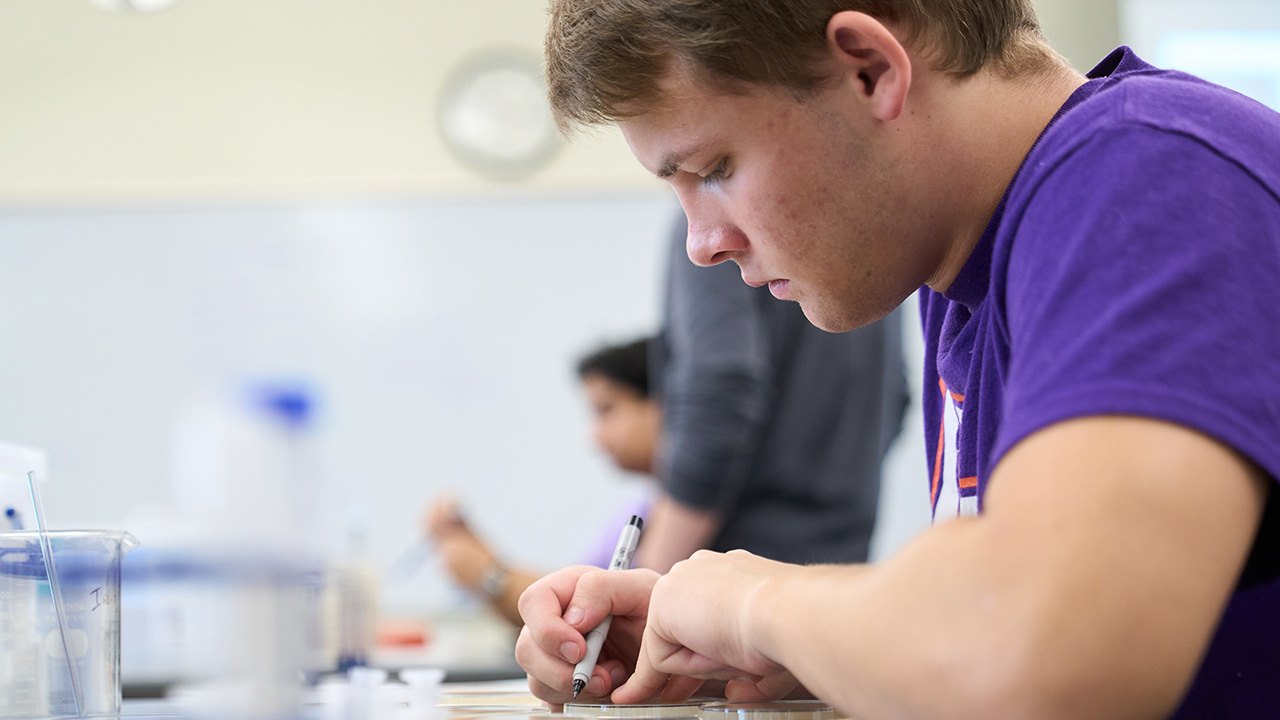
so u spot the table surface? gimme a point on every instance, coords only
(513, 693)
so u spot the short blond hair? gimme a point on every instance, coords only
(605, 57)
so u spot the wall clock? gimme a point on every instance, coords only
(493, 115)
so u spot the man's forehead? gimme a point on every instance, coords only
(676, 123)
(660, 147)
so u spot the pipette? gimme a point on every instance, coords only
(46, 548)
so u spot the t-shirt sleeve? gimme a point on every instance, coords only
(1149, 289)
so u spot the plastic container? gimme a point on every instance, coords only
(35, 679)
(227, 632)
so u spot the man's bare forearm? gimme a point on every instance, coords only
(1096, 608)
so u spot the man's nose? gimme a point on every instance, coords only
(714, 245)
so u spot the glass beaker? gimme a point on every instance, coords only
(35, 679)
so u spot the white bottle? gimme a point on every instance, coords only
(246, 485)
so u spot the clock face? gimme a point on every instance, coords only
(494, 115)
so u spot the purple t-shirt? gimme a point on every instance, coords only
(1133, 267)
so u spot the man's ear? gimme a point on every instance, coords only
(874, 61)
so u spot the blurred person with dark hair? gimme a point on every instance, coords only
(626, 425)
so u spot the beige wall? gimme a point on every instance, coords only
(1082, 30)
(217, 100)
(258, 100)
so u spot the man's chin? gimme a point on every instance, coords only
(836, 322)
(823, 320)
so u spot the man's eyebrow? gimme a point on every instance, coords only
(672, 162)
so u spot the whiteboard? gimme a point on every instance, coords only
(441, 338)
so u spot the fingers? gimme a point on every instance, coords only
(770, 687)
(680, 688)
(547, 642)
(561, 608)
(607, 676)
(615, 671)
(600, 594)
(744, 691)
(646, 681)
(550, 678)
(598, 686)
(666, 664)
(545, 692)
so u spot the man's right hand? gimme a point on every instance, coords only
(561, 608)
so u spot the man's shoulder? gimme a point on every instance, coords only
(1155, 111)
(1148, 166)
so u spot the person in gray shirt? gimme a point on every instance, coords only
(774, 430)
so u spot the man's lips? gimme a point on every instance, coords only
(777, 286)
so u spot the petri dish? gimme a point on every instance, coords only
(776, 710)
(486, 711)
(509, 713)
(641, 710)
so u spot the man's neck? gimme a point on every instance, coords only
(992, 122)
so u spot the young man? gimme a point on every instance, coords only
(1100, 259)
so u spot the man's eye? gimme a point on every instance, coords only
(718, 174)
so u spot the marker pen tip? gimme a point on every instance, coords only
(578, 686)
